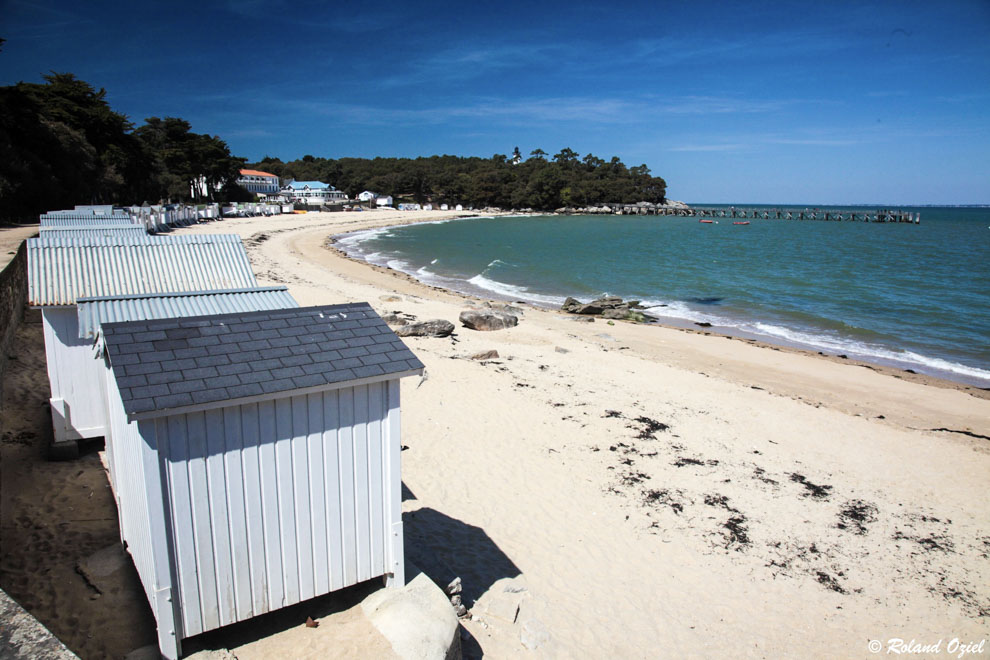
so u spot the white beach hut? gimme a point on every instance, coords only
(265, 471)
(60, 271)
(92, 231)
(56, 220)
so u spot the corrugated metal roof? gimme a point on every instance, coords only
(89, 232)
(87, 211)
(94, 311)
(77, 220)
(61, 270)
(129, 238)
(104, 209)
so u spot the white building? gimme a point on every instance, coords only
(313, 193)
(367, 196)
(264, 486)
(63, 270)
(383, 200)
(261, 183)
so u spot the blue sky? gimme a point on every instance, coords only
(810, 102)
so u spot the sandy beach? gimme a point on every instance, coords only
(642, 491)
(662, 492)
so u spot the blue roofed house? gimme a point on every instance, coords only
(313, 193)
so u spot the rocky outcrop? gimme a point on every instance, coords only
(431, 328)
(398, 318)
(487, 319)
(504, 307)
(609, 307)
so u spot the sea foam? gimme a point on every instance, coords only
(513, 291)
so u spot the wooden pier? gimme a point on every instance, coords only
(747, 213)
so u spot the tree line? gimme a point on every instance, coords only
(538, 182)
(61, 144)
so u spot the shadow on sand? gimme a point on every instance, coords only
(445, 548)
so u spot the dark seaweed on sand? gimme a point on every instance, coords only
(736, 532)
(662, 497)
(632, 478)
(855, 515)
(760, 473)
(719, 501)
(814, 490)
(929, 543)
(650, 428)
(829, 582)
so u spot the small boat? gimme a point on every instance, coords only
(745, 222)
(706, 222)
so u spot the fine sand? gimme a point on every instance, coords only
(635, 491)
(659, 492)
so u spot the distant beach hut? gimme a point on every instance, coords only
(261, 471)
(91, 231)
(67, 220)
(62, 270)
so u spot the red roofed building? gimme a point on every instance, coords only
(261, 183)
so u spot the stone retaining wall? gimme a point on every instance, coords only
(13, 296)
(22, 637)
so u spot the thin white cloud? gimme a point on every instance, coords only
(43, 20)
(586, 110)
(457, 64)
(756, 142)
(813, 142)
(709, 147)
(706, 105)
(577, 109)
(248, 132)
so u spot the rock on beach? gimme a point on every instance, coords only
(487, 319)
(608, 307)
(431, 328)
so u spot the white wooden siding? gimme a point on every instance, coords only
(135, 478)
(75, 376)
(125, 451)
(276, 502)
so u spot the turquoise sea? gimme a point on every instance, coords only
(913, 296)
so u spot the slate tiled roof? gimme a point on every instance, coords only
(171, 364)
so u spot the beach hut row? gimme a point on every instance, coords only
(252, 209)
(157, 217)
(253, 445)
